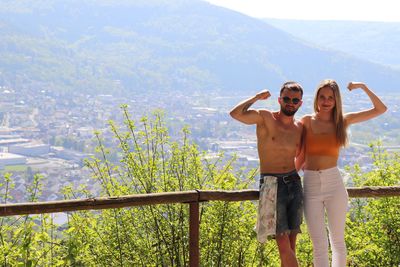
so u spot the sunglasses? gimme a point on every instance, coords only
(287, 100)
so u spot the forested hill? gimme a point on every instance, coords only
(138, 45)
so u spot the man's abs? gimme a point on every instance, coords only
(276, 160)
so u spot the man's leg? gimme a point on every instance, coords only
(295, 212)
(292, 239)
(286, 253)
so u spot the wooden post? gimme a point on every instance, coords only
(194, 225)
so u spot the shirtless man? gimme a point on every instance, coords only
(279, 138)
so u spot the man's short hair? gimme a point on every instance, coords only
(292, 86)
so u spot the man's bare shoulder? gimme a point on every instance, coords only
(266, 114)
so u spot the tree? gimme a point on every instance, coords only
(373, 225)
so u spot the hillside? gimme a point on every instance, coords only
(100, 46)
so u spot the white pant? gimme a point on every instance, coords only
(324, 191)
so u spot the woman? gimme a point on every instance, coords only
(324, 191)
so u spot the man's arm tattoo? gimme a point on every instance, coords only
(246, 107)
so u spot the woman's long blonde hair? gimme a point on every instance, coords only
(341, 133)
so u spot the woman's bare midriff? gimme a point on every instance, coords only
(316, 163)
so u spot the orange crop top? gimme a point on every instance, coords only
(321, 144)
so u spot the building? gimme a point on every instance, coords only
(11, 159)
(68, 154)
(29, 149)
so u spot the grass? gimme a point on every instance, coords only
(15, 168)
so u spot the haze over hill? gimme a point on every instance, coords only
(100, 46)
(375, 41)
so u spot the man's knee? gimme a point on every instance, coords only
(292, 240)
(284, 244)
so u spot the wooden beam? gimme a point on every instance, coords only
(98, 203)
(223, 195)
(374, 191)
(165, 198)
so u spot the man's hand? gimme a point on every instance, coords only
(263, 95)
(354, 85)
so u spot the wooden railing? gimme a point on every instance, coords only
(193, 198)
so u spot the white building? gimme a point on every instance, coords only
(11, 159)
(29, 149)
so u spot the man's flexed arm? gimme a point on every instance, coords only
(242, 113)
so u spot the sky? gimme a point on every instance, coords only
(359, 10)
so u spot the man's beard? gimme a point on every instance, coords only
(288, 112)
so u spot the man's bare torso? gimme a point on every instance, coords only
(278, 143)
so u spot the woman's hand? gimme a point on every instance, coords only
(378, 109)
(354, 85)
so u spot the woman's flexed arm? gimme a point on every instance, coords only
(378, 109)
